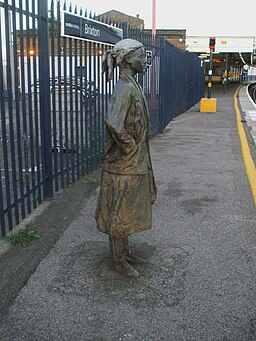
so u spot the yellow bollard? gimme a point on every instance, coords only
(208, 105)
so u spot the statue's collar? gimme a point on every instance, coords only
(126, 74)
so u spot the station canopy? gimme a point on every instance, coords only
(240, 48)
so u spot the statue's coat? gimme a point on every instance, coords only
(127, 186)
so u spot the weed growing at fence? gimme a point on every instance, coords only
(91, 181)
(22, 237)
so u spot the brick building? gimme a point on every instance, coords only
(114, 16)
(175, 37)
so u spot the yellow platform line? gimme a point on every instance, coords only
(248, 160)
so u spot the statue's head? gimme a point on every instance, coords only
(125, 52)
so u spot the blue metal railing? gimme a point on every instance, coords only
(52, 118)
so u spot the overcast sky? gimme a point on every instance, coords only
(198, 17)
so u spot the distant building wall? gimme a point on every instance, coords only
(174, 37)
(119, 17)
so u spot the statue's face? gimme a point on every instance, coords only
(138, 60)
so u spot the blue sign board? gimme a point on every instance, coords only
(76, 26)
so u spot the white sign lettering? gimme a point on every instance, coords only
(88, 29)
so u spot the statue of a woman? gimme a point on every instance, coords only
(127, 184)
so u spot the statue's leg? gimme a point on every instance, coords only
(130, 256)
(111, 246)
(117, 247)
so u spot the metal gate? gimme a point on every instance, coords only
(54, 100)
(53, 103)
(182, 81)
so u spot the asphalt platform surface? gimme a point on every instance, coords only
(199, 282)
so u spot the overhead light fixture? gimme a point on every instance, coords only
(204, 55)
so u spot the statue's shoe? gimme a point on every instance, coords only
(125, 268)
(134, 259)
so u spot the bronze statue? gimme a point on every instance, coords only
(128, 187)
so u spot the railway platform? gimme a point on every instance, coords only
(199, 282)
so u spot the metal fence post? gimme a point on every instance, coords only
(125, 29)
(162, 84)
(44, 92)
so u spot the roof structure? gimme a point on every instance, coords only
(224, 44)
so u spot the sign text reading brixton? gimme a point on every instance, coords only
(75, 26)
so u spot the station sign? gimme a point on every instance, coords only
(76, 26)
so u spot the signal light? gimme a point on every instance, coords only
(212, 44)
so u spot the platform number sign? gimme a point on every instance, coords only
(149, 58)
